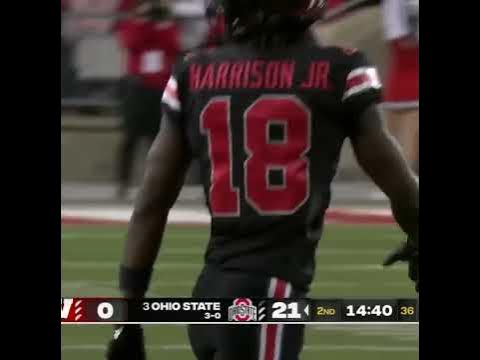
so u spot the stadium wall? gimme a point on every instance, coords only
(89, 143)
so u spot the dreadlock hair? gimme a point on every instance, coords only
(271, 23)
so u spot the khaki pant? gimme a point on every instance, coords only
(404, 126)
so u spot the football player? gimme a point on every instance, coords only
(266, 114)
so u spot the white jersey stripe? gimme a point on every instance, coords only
(170, 95)
(364, 70)
(367, 79)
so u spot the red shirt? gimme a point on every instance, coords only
(152, 49)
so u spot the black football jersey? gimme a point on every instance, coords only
(268, 128)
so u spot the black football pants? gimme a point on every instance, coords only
(244, 342)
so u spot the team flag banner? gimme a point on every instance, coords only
(236, 311)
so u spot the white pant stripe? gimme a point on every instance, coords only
(277, 328)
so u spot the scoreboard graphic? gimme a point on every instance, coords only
(236, 311)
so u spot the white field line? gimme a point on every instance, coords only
(180, 215)
(186, 265)
(169, 250)
(113, 285)
(124, 214)
(379, 329)
(401, 333)
(313, 348)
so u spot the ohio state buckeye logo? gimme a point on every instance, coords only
(242, 310)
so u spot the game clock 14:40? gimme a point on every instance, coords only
(381, 311)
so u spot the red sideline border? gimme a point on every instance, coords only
(332, 216)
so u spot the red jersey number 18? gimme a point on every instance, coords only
(285, 156)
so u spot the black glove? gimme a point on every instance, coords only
(407, 252)
(127, 344)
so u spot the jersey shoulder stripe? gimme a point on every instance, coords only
(360, 80)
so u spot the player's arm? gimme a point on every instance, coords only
(166, 166)
(381, 158)
(376, 151)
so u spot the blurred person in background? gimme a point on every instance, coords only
(68, 72)
(63, 6)
(151, 42)
(400, 19)
(216, 24)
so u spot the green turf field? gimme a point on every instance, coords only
(347, 266)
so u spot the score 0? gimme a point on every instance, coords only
(105, 310)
